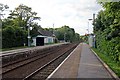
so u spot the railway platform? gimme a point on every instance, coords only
(10, 52)
(81, 63)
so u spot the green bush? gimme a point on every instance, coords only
(109, 47)
(108, 60)
(13, 37)
(107, 30)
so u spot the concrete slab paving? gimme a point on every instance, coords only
(81, 64)
(69, 68)
(90, 66)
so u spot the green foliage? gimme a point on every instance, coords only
(13, 37)
(3, 7)
(49, 29)
(108, 47)
(34, 32)
(22, 16)
(84, 38)
(65, 32)
(108, 60)
(15, 27)
(107, 30)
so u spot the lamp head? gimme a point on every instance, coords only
(90, 19)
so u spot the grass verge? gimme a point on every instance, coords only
(113, 65)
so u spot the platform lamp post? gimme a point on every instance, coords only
(65, 37)
(88, 29)
(53, 34)
(29, 28)
(88, 25)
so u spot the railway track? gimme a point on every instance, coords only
(27, 56)
(44, 71)
(30, 66)
(16, 64)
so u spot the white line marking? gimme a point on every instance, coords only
(61, 64)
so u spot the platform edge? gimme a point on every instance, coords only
(106, 66)
(61, 64)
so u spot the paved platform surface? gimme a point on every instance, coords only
(82, 63)
(90, 66)
(4, 53)
(70, 67)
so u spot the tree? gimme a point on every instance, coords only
(15, 26)
(23, 15)
(2, 8)
(13, 37)
(34, 32)
(112, 11)
(65, 33)
(107, 30)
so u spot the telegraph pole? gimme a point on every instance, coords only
(53, 34)
(53, 28)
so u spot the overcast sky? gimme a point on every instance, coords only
(74, 13)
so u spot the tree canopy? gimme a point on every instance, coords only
(23, 16)
(65, 33)
(15, 26)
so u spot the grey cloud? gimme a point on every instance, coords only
(79, 15)
(62, 2)
(92, 8)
